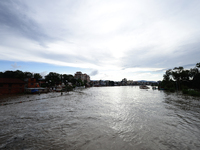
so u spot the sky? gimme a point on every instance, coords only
(106, 39)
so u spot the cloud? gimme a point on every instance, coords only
(44, 73)
(15, 66)
(14, 20)
(116, 38)
(94, 72)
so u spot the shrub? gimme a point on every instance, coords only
(172, 90)
(191, 92)
(194, 93)
(185, 91)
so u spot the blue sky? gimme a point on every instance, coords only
(35, 67)
(107, 39)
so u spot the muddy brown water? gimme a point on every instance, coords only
(107, 118)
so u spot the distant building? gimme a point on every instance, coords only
(78, 75)
(95, 83)
(11, 86)
(32, 83)
(86, 77)
(83, 77)
(130, 82)
(102, 83)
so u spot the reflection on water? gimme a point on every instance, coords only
(101, 118)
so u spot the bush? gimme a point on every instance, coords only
(184, 87)
(69, 88)
(194, 93)
(185, 91)
(172, 90)
(191, 92)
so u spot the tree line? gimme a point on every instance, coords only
(179, 78)
(50, 79)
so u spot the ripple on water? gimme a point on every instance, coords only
(101, 118)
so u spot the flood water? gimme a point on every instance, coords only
(106, 118)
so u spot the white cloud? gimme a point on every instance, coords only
(44, 73)
(15, 66)
(117, 38)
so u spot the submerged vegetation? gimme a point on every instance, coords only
(180, 79)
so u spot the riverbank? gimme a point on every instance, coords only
(3, 97)
(191, 92)
(21, 98)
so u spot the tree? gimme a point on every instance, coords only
(196, 81)
(1, 74)
(74, 81)
(176, 73)
(183, 78)
(193, 72)
(167, 75)
(67, 78)
(198, 65)
(111, 83)
(85, 82)
(28, 74)
(196, 76)
(19, 74)
(8, 74)
(185, 75)
(37, 76)
(80, 82)
(53, 78)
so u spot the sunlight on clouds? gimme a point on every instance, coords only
(141, 69)
(117, 75)
(117, 38)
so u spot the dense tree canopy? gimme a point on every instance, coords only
(51, 79)
(180, 78)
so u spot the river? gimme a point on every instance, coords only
(101, 118)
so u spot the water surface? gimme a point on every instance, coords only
(101, 118)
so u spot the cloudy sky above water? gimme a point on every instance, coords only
(107, 39)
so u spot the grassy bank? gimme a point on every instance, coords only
(191, 92)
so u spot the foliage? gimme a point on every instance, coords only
(50, 80)
(154, 84)
(67, 78)
(172, 89)
(181, 79)
(79, 82)
(53, 78)
(178, 78)
(111, 83)
(37, 76)
(68, 88)
(191, 92)
(14, 74)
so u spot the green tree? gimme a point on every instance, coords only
(111, 83)
(176, 74)
(19, 74)
(53, 78)
(28, 74)
(37, 76)
(80, 82)
(67, 78)
(196, 81)
(167, 75)
(1, 74)
(198, 65)
(193, 72)
(196, 77)
(8, 74)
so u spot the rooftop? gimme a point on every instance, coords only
(10, 80)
